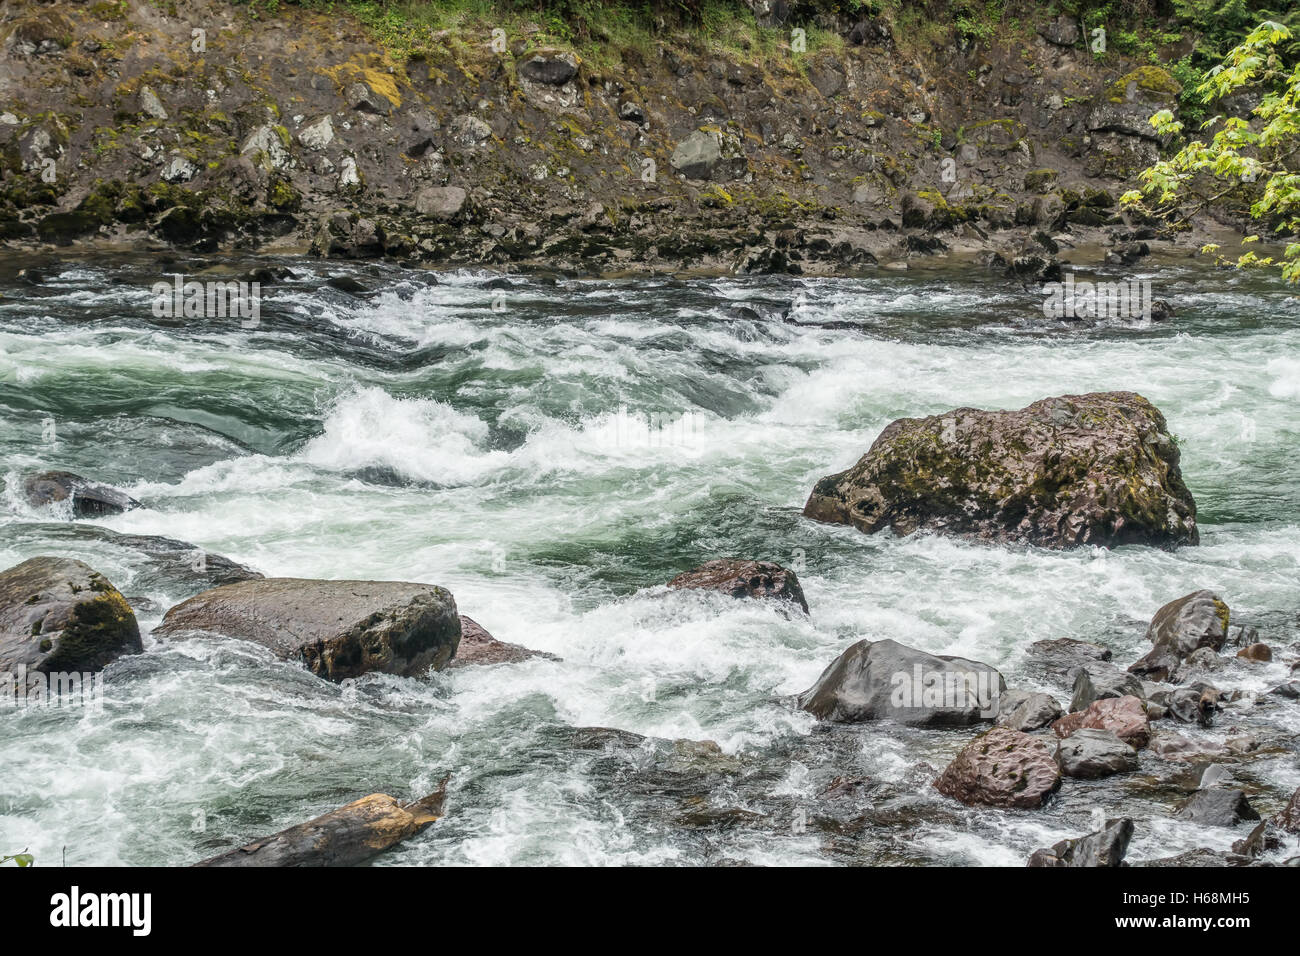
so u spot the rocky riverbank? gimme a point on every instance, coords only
(213, 127)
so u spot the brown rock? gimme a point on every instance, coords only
(477, 646)
(1096, 469)
(744, 579)
(1125, 716)
(1181, 628)
(1002, 768)
(1256, 652)
(1289, 818)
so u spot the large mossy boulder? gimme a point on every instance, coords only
(1181, 628)
(1096, 469)
(1127, 105)
(338, 629)
(885, 680)
(60, 615)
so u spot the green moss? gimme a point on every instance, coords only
(1149, 79)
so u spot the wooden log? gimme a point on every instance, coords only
(348, 836)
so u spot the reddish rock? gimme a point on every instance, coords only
(1256, 652)
(1002, 768)
(477, 646)
(744, 579)
(1125, 716)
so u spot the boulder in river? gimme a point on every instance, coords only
(1096, 469)
(60, 615)
(743, 579)
(348, 836)
(1002, 768)
(1025, 711)
(1289, 817)
(885, 680)
(338, 629)
(477, 646)
(1181, 627)
(1099, 681)
(1106, 847)
(1217, 807)
(90, 499)
(1123, 715)
(1091, 754)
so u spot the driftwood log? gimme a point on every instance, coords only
(348, 836)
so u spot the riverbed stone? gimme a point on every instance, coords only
(337, 629)
(61, 615)
(1096, 469)
(1217, 807)
(1123, 715)
(1104, 848)
(477, 646)
(1026, 711)
(885, 680)
(1002, 768)
(1182, 626)
(1099, 681)
(90, 499)
(744, 579)
(1090, 754)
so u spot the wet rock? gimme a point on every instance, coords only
(885, 680)
(552, 69)
(1200, 663)
(743, 579)
(1289, 817)
(1096, 469)
(1175, 746)
(1200, 859)
(1100, 681)
(1196, 620)
(1217, 807)
(346, 283)
(1126, 254)
(1064, 654)
(710, 154)
(1106, 847)
(338, 629)
(1256, 652)
(60, 615)
(90, 499)
(1091, 754)
(1263, 839)
(477, 646)
(1027, 711)
(1002, 768)
(1124, 716)
(1196, 704)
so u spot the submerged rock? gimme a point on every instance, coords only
(1091, 754)
(1096, 469)
(60, 615)
(90, 499)
(743, 579)
(477, 646)
(1123, 715)
(338, 629)
(1103, 848)
(1180, 628)
(1002, 768)
(885, 680)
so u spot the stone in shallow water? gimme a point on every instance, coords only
(1002, 768)
(477, 646)
(1123, 715)
(1103, 848)
(1091, 754)
(1180, 628)
(90, 499)
(1096, 469)
(743, 579)
(1217, 807)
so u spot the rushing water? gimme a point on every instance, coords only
(493, 440)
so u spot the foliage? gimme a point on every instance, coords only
(1251, 159)
(19, 859)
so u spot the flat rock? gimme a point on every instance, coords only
(338, 629)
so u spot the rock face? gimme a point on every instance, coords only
(744, 579)
(1001, 768)
(60, 615)
(1217, 807)
(477, 646)
(1123, 715)
(90, 499)
(1103, 848)
(339, 629)
(1096, 469)
(1180, 628)
(1092, 754)
(885, 680)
